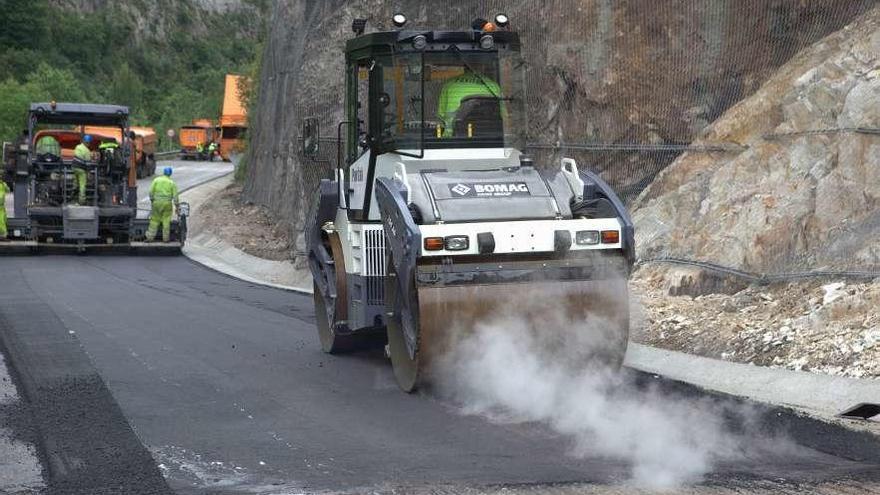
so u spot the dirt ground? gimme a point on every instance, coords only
(247, 226)
(830, 327)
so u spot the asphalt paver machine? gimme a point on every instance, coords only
(48, 212)
(436, 215)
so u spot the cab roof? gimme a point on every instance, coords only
(464, 39)
(79, 114)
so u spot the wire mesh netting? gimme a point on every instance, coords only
(736, 130)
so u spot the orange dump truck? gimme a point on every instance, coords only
(144, 141)
(233, 120)
(194, 139)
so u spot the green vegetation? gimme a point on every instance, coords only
(166, 60)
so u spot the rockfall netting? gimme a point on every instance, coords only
(742, 133)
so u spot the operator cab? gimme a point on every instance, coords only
(408, 91)
(108, 178)
(414, 97)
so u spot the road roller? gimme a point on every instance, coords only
(438, 217)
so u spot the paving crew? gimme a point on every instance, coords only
(82, 155)
(469, 83)
(3, 190)
(163, 194)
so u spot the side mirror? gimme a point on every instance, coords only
(311, 137)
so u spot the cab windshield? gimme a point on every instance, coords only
(452, 99)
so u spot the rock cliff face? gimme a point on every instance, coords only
(794, 199)
(160, 19)
(600, 71)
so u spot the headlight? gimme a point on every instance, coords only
(502, 20)
(586, 237)
(456, 243)
(399, 20)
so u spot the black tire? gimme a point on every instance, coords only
(406, 369)
(331, 341)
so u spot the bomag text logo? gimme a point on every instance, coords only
(505, 189)
(490, 190)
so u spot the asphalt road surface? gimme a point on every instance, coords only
(225, 385)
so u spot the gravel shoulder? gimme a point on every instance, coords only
(830, 327)
(247, 226)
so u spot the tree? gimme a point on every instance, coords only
(23, 23)
(14, 105)
(127, 88)
(56, 84)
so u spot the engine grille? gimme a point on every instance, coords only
(374, 265)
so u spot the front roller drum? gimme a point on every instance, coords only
(579, 324)
(330, 315)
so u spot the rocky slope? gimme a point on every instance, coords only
(629, 71)
(818, 326)
(788, 202)
(159, 19)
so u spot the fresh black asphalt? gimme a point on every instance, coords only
(224, 383)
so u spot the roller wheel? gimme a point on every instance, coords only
(329, 314)
(331, 342)
(406, 368)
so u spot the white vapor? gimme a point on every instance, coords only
(520, 367)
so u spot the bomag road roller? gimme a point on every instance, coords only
(436, 216)
(52, 212)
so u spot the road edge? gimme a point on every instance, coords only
(214, 253)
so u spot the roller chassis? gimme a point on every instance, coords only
(419, 228)
(356, 314)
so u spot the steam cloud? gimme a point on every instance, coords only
(519, 367)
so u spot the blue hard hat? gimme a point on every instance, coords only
(87, 138)
(167, 171)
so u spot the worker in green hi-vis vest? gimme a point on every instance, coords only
(458, 88)
(164, 197)
(3, 190)
(82, 154)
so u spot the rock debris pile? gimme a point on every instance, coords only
(823, 327)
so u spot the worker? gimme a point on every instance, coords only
(108, 150)
(469, 83)
(82, 155)
(110, 144)
(48, 146)
(3, 190)
(163, 193)
(212, 148)
(200, 150)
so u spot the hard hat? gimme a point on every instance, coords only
(167, 171)
(87, 138)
